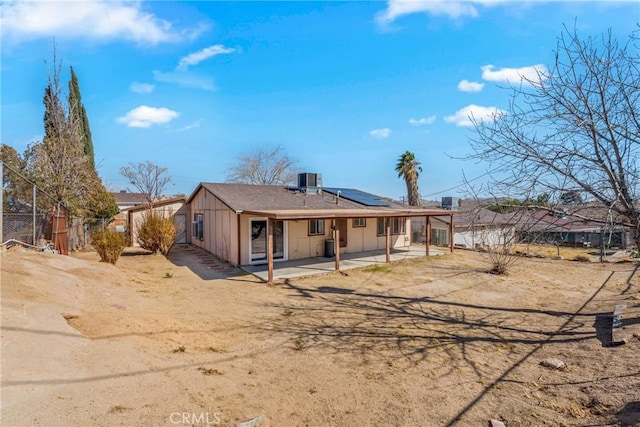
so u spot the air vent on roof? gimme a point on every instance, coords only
(450, 203)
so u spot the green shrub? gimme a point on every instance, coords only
(156, 233)
(109, 244)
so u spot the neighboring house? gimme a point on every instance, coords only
(480, 227)
(125, 200)
(474, 226)
(235, 221)
(559, 226)
(174, 207)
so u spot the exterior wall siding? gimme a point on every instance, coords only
(219, 225)
(137, 217)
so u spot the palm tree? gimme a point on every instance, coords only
(409, 169)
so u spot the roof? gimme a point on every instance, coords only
(279, 202)
(158, 204)
(126, 198)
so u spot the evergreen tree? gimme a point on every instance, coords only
(76, 109)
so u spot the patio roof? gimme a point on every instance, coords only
(295, 214)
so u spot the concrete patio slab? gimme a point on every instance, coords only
(321, 265)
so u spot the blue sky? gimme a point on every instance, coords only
(345, 87)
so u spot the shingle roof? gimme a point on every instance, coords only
(283, 202)
(126, 198)
(245, 197)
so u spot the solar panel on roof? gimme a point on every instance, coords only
(358, 196)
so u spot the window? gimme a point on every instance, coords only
(316, 227)
(196, 230)
(398, 225)
(359, 222)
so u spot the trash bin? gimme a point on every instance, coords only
(329, 248)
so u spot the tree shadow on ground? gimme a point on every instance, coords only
(385, 327)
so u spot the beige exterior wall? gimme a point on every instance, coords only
(135, 218)
(300, 245)
(220, 226)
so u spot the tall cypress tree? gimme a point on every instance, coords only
(79, 116)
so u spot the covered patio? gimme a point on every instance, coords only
(330, 214)
(320, 265)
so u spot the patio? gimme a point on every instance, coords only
(321, 265)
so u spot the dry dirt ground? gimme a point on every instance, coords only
(191, 341)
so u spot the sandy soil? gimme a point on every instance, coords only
(191, 341)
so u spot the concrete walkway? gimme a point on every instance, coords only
(320, 265)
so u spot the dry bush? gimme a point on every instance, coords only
(581, 258)
(501, 257)
(109, 244)
(157, 233)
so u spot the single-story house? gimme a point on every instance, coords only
(174, 207)
(125, 200)
(562, 227)
(475, 226)
(478, 227)
(237, 222)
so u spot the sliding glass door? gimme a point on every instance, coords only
(258, 247)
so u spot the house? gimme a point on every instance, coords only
(125, 200)
(562, 227)
(174, 207)
(475, 226)
(236, 222)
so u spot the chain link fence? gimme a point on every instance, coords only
(33, 217)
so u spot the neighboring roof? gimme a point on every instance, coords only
(544, 220)
(158, 204)
(126, 198)
(279, 202)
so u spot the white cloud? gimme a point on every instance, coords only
(144, 117)
(464, 117)
(527, 74)
(97, 19)
(380, 133)
(141, 87)
(398, 8)
(467, 86)
(199, 56)
(185, 79)
(422, 121)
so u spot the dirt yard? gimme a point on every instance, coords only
(432, 342)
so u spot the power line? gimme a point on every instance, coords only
(460, 185)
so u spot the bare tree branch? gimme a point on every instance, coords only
(264, 166)
(574, 128)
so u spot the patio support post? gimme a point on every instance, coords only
(451, 233)
(388, 239)
(427, 233)
(336, 248)
(270, 225)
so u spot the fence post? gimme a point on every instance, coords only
(34, 215)
(1, 200)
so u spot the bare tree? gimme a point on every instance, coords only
(149, 179)
(575, 127)
(264, 166)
